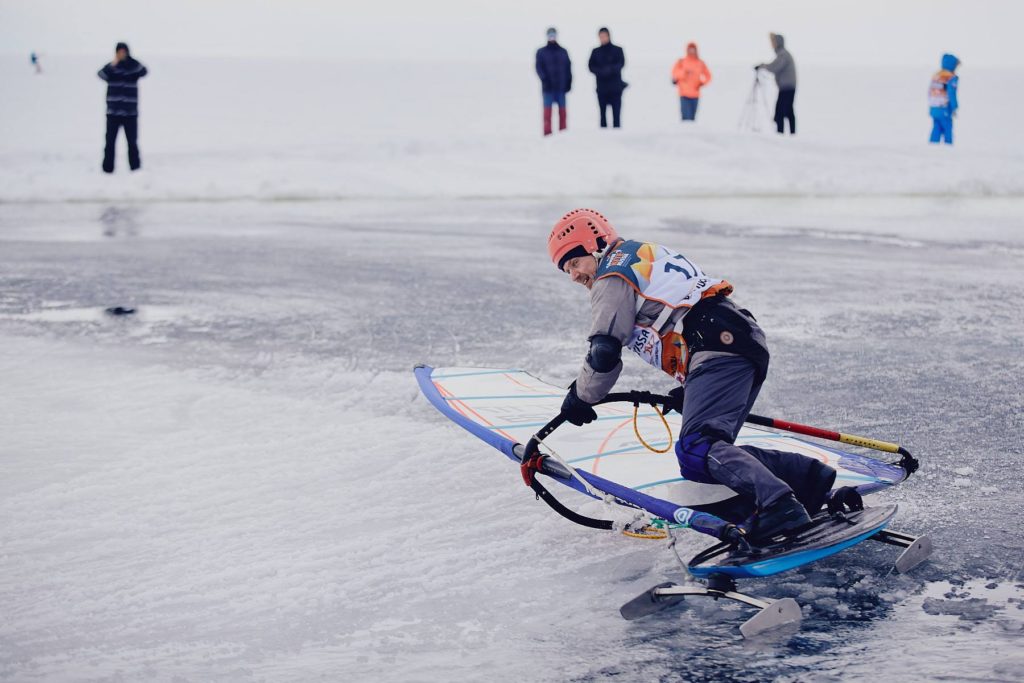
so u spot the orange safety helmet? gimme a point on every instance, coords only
(580, 228)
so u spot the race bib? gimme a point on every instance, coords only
(667, 353)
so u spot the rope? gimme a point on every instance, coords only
(636, 429)
(647, 532)
(600, 495)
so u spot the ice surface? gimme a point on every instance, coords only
(241, 482)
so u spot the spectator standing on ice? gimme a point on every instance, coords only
(555, 72)
(606, 63)
(122, 76)
(35, 62)
(784, 69)
(689, 75)
(942, 99)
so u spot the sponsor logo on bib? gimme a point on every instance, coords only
(646, 344)
(618, 258)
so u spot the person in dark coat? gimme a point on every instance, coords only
(784, 69)
(606, 63)
(122, 76)
(555, 72)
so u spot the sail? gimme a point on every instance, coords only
(505, 407)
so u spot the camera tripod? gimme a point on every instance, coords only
(755, 111)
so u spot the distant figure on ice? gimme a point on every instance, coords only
(35, 62)
(606, 63)
(122, 76)
(689, 75)
(784, 69)
(942, 100)
(555, 72)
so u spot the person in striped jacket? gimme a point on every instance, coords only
(122, 76)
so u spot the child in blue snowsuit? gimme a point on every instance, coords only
(942, 100)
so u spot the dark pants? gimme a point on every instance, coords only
(784, 110)
(131, 132)
(613, 100)
(719, 395)
(688, 108)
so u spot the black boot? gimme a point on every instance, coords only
(784, 515)
(816, 486)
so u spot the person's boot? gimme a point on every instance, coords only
(108, 156)
(845, 499)
(784, 515)
(816, 486)
(562, 116)
(547, 120)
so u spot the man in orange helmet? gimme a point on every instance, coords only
(664, 308)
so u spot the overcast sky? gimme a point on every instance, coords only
(864, 32)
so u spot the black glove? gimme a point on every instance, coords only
(675, 403)
(735, 536)
(576, 410)
(843, 499)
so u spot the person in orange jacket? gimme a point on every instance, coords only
(690, 74)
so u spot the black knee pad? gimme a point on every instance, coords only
(605, 353)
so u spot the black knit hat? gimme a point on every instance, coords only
(123, 46)
(577, 252)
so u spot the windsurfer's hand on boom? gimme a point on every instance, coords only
(676, 403)
(576, 410)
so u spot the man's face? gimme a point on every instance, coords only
(581, 270)
(121, 54)
(604, 38)
(692, 51)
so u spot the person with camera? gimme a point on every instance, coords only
(784, 69)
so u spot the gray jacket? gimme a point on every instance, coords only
(783, 66)
(613, 313)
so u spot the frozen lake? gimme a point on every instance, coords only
(241, 482)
